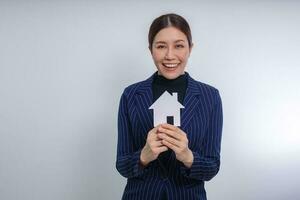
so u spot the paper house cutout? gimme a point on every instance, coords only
(165, 106)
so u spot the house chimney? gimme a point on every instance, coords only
(174, 94)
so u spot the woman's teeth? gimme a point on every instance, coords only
(170, 65)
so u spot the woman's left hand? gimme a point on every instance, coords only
(176, 139)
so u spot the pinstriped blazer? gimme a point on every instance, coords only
(201, 120)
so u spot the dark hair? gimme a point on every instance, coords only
(169, 20)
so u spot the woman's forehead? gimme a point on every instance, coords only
(170, 34)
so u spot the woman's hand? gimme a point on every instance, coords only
(176, 139)
(152, 148)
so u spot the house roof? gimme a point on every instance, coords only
(167, 102)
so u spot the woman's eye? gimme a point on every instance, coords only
(160, 46)
(179, 46)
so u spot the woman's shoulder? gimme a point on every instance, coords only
(202, 86)
(206, 92)
(137, 86)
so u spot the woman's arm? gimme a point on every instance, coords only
(206, 162)
(128, 159)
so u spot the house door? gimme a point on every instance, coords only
(170, 120)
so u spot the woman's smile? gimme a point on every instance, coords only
(170, 65)
(169, 68)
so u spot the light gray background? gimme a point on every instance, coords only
(64, 65)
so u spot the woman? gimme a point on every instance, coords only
(166, 161)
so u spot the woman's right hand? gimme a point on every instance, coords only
(152, 148)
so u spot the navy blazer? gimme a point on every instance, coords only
(201, 120)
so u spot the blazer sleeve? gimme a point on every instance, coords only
(206, 162)
(128, 159)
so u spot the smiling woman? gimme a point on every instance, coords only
(166, 161)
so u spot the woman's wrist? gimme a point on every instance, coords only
(189, 159)
(142, 160)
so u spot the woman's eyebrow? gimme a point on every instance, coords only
(160, 42)
(163, 42)
(179, 41)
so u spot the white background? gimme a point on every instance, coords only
(64, 65)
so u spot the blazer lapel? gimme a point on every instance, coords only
(190, 102)
(143, 100)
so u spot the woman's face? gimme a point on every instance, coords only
(170, 52)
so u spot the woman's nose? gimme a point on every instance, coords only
(169, 54)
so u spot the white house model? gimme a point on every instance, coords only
(166, 105)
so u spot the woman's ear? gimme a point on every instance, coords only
(191, 47)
